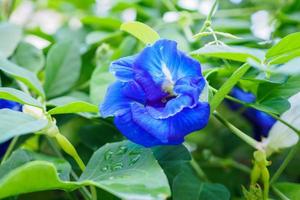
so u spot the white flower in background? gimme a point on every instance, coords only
(48, 20)
(189, 4)
(103, 7)
(22, 13)
(205, 6)
(128, 15)
(236, 1)
(36, 41)
(281, 136)
(75, 23)
(171, 16)
(262, 27)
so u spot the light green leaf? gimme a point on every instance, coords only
(42, 175)
(62, 68)
(102, 23)
(29, 57)
(71, 105)
(128, 171)
(18, 96)
(285, 57)
(10, 36)
(286, 45)
(23, 75)
(25, 124)
(99, 83)
(292, 67)
(227, 86)
(187, 186)
(236, 53)
(291, 190)
(141, 31)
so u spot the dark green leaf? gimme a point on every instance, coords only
(189, 187)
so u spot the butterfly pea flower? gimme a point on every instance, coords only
(261, 121)
(9, 105)
(156, 99)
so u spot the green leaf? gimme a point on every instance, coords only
(292, 67)
(23, 75)
(18, 96)
(99, 83)
(10, 36)
(102, 23)
(274, 105)
(25, 124)
(285, 90)
(128, 171)
(291, 190)
(29, 57)
(62, 68)
(31, 177)
(187, 186)
(22, 156)
(173, 160)
(236, 53)
(141, 31)
(71, 105)
(286, 45)
(227, 86)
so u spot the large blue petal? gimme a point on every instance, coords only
(134, 132)
(119, 96)
(164, 53)
(122, 68)
(173, 129)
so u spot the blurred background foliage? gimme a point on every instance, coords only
(93, 26)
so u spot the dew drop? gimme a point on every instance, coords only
(117, 166)
(135, 159)
(104, 169)
(108, 155)
(122, 150)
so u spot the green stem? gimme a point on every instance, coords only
(228, 85)
(9, 149)
(212, 10)
(236, 131)
(198, 170)
(85, 193)
(279, 194)
(284, 164)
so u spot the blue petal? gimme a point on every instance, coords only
(119, 96)
(173, 129)
(262, 122)
(122, 68)
(165, 53)
(134, 132)
(153, 91)
(10, 105)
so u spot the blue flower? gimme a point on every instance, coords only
(156, 98)
(261, 122)
(9, 105)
